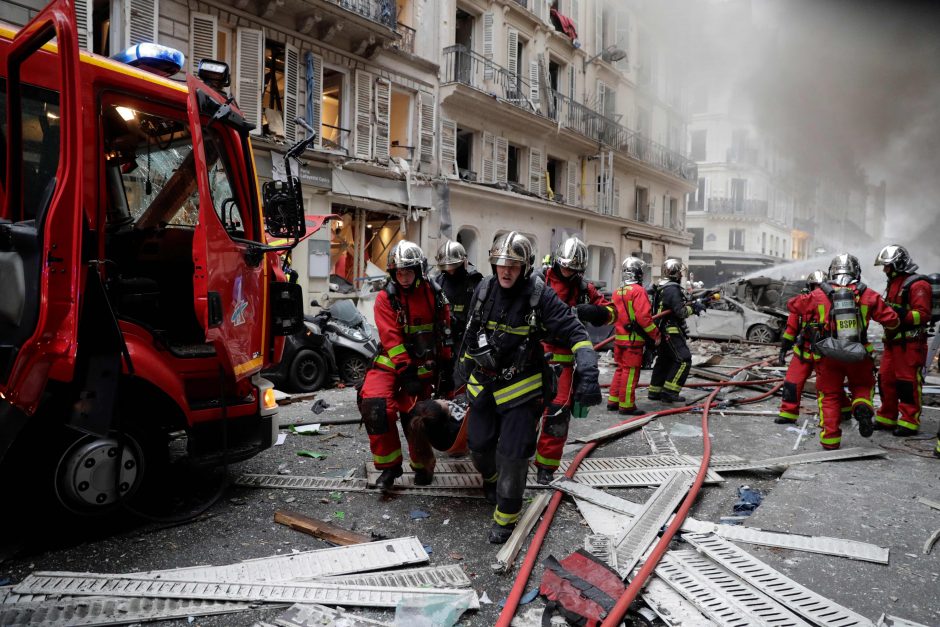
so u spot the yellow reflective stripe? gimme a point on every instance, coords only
(385, 361)
(457, 308)
(611, 313)
(504, 519)
(397, 350)
(910, 425)
(630, 311)
(649, 328)
(419, 328)
(561, 359)
(474, 390)
(529, 384)
(786, 414)
(625, 338)
(422, 370)
(864, 314)
(546, 461)
(673, 330)
(821, 310)
(631, 382)
(654, 389)
(580, 345)
(491, 479)
(611, 398)
(916, 316)
(416, 465)
(835, 440)
(787, 336)
(938, 445)
(886, 421)
(523, 330)
(384, 459)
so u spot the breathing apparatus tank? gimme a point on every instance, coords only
(845, 315)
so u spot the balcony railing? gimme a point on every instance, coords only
(750, 207)
(469, 68)
(407, 38)
(379, 11)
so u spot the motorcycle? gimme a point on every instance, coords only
(353, 341)
(306, 361)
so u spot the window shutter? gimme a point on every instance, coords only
(84, 20)
(615, 207)
(427, 131)
(488, 164)
(448, 148)
(383, 104)
(512, 52)
(141, 20)
(248, 75)
(573, 184)
(502, 159)
(536, 172)
(362, 142)
(601, 102)
(291, 91)
(488, 40)
(534, 84)
(203, 38)
(315, 97)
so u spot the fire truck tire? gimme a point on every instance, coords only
(307, 372)
(761, 333)
(352, 367)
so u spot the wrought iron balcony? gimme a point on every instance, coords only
(469, 68)
(379, 11)
(749, 207)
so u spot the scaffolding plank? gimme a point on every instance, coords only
(510, 550)
(671, 606)
(720, 595)
(125, 586)
(356, 558)
(641, 531)
(814, 607)
(450, 576)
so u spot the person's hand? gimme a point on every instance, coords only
(587, 390)
(782, 357)
(592, 314)
(698, 306)
(409, 381)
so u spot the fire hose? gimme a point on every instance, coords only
(620, 608)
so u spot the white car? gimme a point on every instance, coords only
(730, 319)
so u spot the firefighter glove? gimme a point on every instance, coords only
(593, 314)
(587, 390)
(409, 381)
(446, 379)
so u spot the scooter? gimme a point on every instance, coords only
(353, 341)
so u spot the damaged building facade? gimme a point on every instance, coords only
(458, 118)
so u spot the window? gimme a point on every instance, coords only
(555, 169)
(699, 203)
(642, 204)
(698, 145)
(736, 239)
(738, 194)
(465, 154)
(674, 221)
(107, 27)
(763, 243)
(280, 90)
(400, 126)
(333, 133)
(698, 238)
(512, 164)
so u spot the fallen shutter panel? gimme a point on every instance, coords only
(291, 91)
(203, 38)
(383, 103)
(249, 73)
(362, 142)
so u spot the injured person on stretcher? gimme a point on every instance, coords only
(436, 425)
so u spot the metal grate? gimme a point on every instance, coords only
(601, 546)
(356, 558)
(720, 595)
(851, 549)
(329, 594)
(671, 606)
(451, 576)
(658, 439)
(805, 602)
(312, 615)
(301, 483)
(638, 536)
(805, 458)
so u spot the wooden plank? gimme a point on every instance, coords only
(319, 529)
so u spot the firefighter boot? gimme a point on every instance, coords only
(630, 411)
(545, 476)
(500, 533)
(671, 397)
(863, 414)
(387, 478)
(489, 490)
(903, 432)
(424, 476)
(613, 406)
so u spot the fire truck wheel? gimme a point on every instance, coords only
(307, 371)
(761, 333)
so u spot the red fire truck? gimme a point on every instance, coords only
(138, 298)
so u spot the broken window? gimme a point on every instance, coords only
(334, 131)
(736, 239)
(280, 92)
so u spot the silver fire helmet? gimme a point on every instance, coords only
(631, 270)
(844, 269)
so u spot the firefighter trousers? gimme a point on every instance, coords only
(673, 362)
(798, 372)
(555, 421)
(383, 402)
(831, 375)
(901, 382)
(502, 440)
(629, 360)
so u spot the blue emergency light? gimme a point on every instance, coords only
(161, 60)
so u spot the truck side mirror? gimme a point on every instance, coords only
(283, 209)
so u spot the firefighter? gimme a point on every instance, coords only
(413, 322)
(673, 358)
(635, 327)
(507, 379)
(840, 308)
(900, 378)
(566, 278)
(457, 279)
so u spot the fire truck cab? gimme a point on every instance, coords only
(138, 298)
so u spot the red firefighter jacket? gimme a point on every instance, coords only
(802, 328)
(915, 312)
(814, 308)
(573, 292)
(634, 317)
(410, 324)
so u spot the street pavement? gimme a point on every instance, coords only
(870, 500)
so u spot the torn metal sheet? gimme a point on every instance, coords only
(312, 615)
(450, 576)
(340, 560)
(107, 610)
(671, 606)
(610, 432)
(301, 482)
(720, 595)
(644, 527)
(658, 439)
(507, 554)
(886, 620)
(811, 606)
(75, 584)
(601, 546)
(575, 488)
(804, 458)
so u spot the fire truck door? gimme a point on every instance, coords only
(229, 288)
(41, 232)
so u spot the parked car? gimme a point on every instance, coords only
(731, 319)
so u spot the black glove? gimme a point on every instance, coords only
(698, 306)
(409, 381)
(785, 347)
(446, 378)
(593, 314)
(587, 391)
